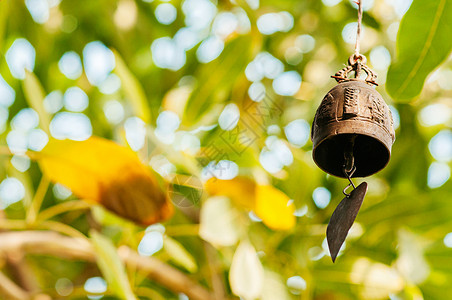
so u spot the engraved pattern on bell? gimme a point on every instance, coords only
(353, 108)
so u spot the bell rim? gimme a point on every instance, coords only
(367, 130)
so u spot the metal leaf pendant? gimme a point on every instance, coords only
(342, 219)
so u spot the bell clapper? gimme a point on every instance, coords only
(343, 217)
(351, 184)
(349, 167)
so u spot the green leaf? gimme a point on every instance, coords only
(111, 266)
(179, 255)
(216, 79)
(132, 89)
(34, 93)
(423, 43)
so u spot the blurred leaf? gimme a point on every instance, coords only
(107, 218)
(411, 262)
(34, 93)
(216, 78)
(111, 266)
(274, 208)
(375, 280)
(133, 90)
(246, 275)
(4, 8)
(241, 190)
(423, 42)
(218, 222)
(107, 173)
(274, 287)
(413, 292)
(179, 254)
(269, 203)
(237, 145)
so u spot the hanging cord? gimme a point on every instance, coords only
(358, 33)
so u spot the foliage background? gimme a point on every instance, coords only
(173, 107)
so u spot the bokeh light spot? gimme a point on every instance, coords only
(110, 85)
(95, 285)
(53, 102)
(73, 126)
(257, 91)
(64, 286)
(21, 163)
(135, 132)
(114, 111)
(321, 197)
(305, 43)
(39, 10)
(7, 93)
(61, 192)
(165, 13)
(25, 120)
(209, 49)
(151, 243)
(224, 24)
(75, 99)
(287, 84)
(438, 174)
(37, 139)
(20, 57)
(198, 13)
(448, 240)
(331, 2)
(296, 284)
(11, 191)
(229, 117)
(70, 65)
(98, 61)
(440, 146)
(297, 132)
(167, 54)
(271, 23)
(125, 16)
(380, 58)
(435, 114)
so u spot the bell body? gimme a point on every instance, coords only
(353, 115)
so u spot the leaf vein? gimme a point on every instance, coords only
(426, 47)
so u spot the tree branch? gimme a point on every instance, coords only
(11, 290)
(55, 244)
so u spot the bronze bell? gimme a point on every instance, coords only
(353, 126)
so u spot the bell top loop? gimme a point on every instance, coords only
(354, 59)
(356, 63)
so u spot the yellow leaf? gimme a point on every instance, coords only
(241, 190)
(274, 208)
(104, 172)
(269, 203)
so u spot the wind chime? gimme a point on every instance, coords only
(352, 136)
